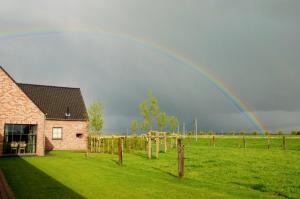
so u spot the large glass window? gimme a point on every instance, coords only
(19, 138)
(57, 133)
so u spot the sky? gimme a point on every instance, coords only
(109, 50)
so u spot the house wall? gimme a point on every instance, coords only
(17, 108)
(69, 139)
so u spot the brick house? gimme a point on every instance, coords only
(37, 118)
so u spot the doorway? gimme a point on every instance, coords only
(19, 139)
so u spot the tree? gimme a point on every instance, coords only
(255, 133)
(294, 132)
(95, 116)
(242, 133)
(280, 132)
(149, 110)
(173, 122)
(145, 112)
(134, 126)
(145, 125)
(162, 120)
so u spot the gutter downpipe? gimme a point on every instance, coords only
(44, 135)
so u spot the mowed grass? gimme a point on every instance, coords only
(226, 171)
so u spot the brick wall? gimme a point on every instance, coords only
(69, 140)
(17, 108)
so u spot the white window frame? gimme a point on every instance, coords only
(57, 133)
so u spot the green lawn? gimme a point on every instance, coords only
(222, 172)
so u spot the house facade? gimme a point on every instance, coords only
(38, 118)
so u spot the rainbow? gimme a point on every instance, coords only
(212, 78)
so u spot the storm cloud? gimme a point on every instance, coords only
(254, 46)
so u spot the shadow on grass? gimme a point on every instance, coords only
(165, 172)
(143, 155)
(28, 181)
(116, 162)
(262, 188)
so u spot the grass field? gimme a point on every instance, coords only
(222, 172)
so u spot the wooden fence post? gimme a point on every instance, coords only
(141, 142)
(108, 145)
(103, 147)
(122, 145)
(284, 143)
(120, 151)
(180, 159)
(125, 143)
(244, 142)
(268, 142)
(157, 145)
(149, 145)
(129, 143)
(145, 143)
(112, 145)
(165, 140)
(214, 141)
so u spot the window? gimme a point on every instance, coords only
(57, 133)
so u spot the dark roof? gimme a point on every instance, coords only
(56, 101)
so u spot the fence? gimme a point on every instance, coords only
(161, 142)
(109, 144)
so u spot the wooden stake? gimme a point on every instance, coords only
(244, 142)
(145, 143)
(112, 145)
(284, 143)
(214, 141)
(156, 145)
(165, 134)
(103, 147)
(268, 142)
(180, 159)
(108, 145)
(141, 142)
(149, 145)
(120, 151)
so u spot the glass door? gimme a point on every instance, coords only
(19, 138)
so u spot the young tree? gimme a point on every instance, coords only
(267, 133)
(154, 109)
(162, 120)
(96, 116)
(134, 126)
(145, 125)
(173, 123)
(149, 110)
(280, 132)
(145, 112)
(294, 132)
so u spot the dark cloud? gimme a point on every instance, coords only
(251, 45)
